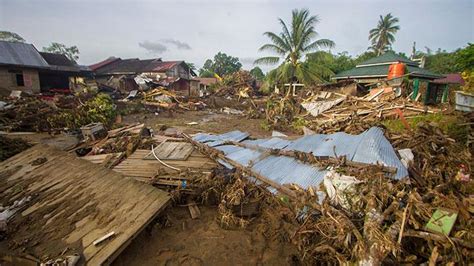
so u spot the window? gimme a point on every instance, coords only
(19, 80)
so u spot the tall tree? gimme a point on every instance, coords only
(465, 58)
(257, 73)
(10, 37)
(222, 64)
(383, 35)
(58, 48)
(191, 66)
(291, 45)
(335, 62)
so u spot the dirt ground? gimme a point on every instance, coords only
(203, 242)
(208, 121)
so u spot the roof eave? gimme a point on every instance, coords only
(358, 77)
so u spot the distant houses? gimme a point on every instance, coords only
(127, 74)
(24, 68)
(422, 84)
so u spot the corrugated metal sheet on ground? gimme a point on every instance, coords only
(216, 140)
(271, 143)
(287, 170)
(370, 146)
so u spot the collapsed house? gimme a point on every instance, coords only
(392, 70)
(25, 69)
(132, 74)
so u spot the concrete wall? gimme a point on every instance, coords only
(8, 80)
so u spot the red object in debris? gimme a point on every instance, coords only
(396, 70)
(402, 118)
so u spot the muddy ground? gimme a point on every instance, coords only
(203, 242)
(210, 121)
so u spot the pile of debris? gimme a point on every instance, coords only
(162, 99)
(239, 84)
(25, 113)
(281, 112)
(357, 213)
(329, 112)
(31, 113)
(10, 147)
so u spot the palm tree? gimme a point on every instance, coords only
(291, 45)
(383, 35)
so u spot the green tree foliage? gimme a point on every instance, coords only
(364, 57)
(257, 73)
(291, 45)
(383, 35)
(465, 58)
(191, 66)
(222, 64)
(335, 63)
(58, 48)
(10, 37)
(441, 62)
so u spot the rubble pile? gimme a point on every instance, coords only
(354, 109)
(238, 84)
(281, 112)
(10, 147)
(121, 140)
(367, 217)
(388, 221)
(25, 114)
(30, 113)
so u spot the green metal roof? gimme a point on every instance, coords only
(387, 58)
(382, 71)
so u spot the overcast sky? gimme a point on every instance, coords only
(196, 30)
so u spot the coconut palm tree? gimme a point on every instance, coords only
(291, 45)
(383, 35)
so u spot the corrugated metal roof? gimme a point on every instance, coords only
(287, 170)
(388, 58)
(370, 147)
(240, 155)
(215, 140)
(20, 54)
(271, 143)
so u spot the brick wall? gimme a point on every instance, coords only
(8, 81)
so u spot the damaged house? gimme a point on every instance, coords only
(132, 74)
(391, 70)
(25, 69)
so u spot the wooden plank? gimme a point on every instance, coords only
(194, 210)
(135, 166)
(78, 201)
(171, 151)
